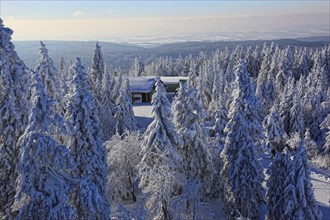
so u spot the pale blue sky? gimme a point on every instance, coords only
(159, 17)
(113, 9)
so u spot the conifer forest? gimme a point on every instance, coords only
(246, 136)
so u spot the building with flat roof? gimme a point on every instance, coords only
(143, 87)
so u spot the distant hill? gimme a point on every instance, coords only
(118, 55)
(315, 39)
(122, 54)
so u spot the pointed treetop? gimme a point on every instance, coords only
(77, 62)
(4, 30)
(159, 85)
(43, 50)
(97, 45)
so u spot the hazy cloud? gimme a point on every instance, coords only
(79, 14)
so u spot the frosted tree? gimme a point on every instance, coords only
(326, 126)
(266, 88)
(219, 134)
(195, 149)
(285, 69)
(161, 142)
(97, 70)
(324, 158)
(49, 73)
(201, 89)
(191, 195)
(124, 115)
(274, 130)
(286, 104)
(229, 78)
(215, 99)
(106, 106)
(122, 157)
(161, 191)
(307, 205)
(137, 68)
(310, 145)
(296, 121)
(314, 94)
(242, 171)
(86, 147)
(160, 166)
(117, 84)
(14, 80)
(192, 76)
(179, 105)
(302, 67)
(252, 65)
(281, 193)
(221, 120)
(45, 169)
(262, 87)
(63, 78)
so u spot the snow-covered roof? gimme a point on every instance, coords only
(172, 79)
(141, 84)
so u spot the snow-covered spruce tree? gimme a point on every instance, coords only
(307, 205)
(137, 68)
(310, 145)
(13, 114)
(220, 135)
(229, 79)
(242, 171)
(97, 71)
(326, 126)
(252, 65)
(63, 78)
(50, 78)
(286, 104)
(106, 106)
(215, 99)
(192, 76)
(44, 182)
(302, 68)
(274, 129)
(124, 118)
(161, 138)
(179, 105)
(314, 94)
(296, 121)
(271, 94)
(201, 89)
(86, 147)
(117, 84)
(221, 119)
(123, 156)
(281, 193)
(160, 165)
(262, 87)
(195, 148)
(49, 74)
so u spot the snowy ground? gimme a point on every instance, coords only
(320, 178)
(142, 112)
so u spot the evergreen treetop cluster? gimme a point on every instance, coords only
(70, 145)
